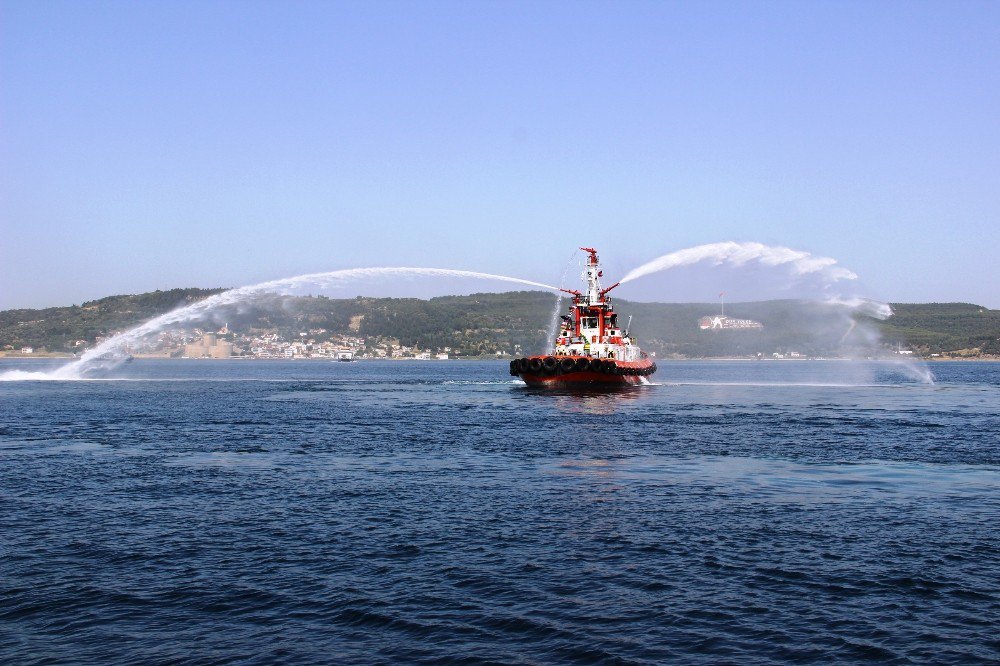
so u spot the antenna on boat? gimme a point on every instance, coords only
(628, 325)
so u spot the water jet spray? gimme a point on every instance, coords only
(738, 254)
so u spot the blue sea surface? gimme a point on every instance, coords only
(442, 512)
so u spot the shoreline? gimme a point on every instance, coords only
(710, 359)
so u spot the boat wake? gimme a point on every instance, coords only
(29, 376)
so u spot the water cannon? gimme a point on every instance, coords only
(593, 255)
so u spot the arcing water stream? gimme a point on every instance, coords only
(195, 311)
(738, 254)
(801, 265)
(735, 254)
(558, 305)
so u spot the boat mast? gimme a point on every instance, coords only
(593, 275)
(593, 303)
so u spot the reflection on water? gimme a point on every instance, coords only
(594, 399)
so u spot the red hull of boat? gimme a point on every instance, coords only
(581, 379)
(629, 373)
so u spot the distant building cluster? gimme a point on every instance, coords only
(272, 345)
(269, 344)
(719, 322)
(209, 346)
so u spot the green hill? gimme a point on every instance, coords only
(57, 329)
(944, 327)
(484, 323)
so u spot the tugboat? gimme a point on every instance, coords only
(590, 348)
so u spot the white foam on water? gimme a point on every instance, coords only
(27, 376)
(915, 369)
(470, 382)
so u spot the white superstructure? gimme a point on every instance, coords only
(591, 329)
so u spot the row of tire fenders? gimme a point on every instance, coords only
(551, 365)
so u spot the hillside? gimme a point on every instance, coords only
(60, 328)
(944, 327)
(486, 324)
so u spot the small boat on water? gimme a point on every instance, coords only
(591, 347)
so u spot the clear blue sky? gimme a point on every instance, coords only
(150, 145)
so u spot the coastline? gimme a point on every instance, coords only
(713, 359)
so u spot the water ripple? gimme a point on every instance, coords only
(452, 517)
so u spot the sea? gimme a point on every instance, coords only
(283, 512)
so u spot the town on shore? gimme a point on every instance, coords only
(320, 344)
(225, 344)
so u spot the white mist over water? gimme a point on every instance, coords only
(870, 337)
(859, 337)
(865, 306)
(915, 369)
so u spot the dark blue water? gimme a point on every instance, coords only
(242, 512)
